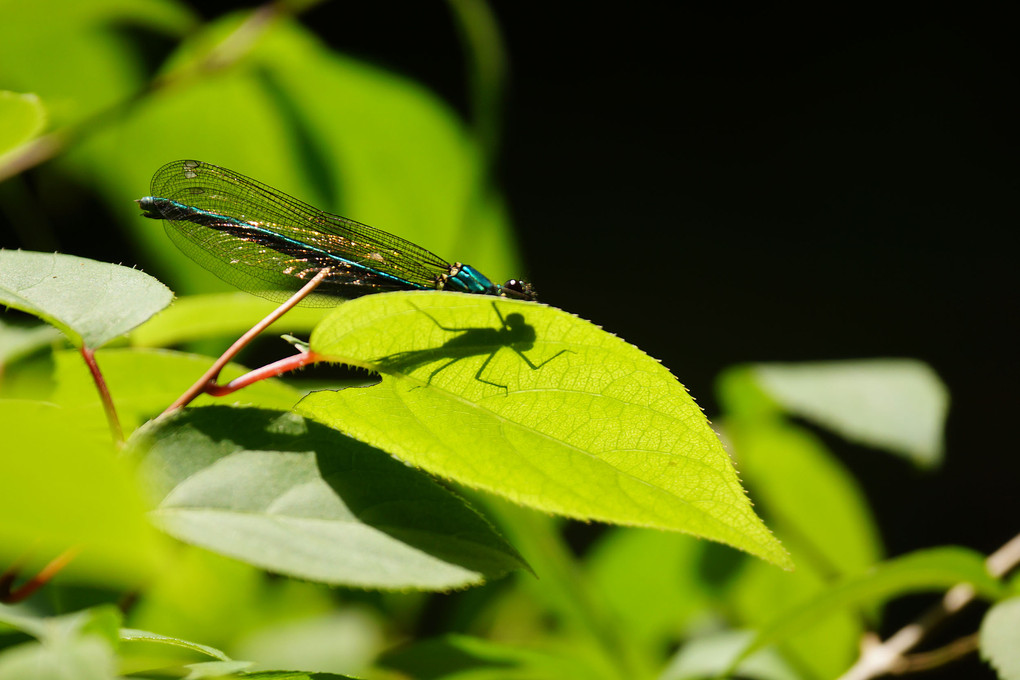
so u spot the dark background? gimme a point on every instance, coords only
(719, 186)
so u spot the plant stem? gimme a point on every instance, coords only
(883, 658)
(208, 381)
(44, 576)
(104, 395)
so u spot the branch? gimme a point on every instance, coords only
(891, 656)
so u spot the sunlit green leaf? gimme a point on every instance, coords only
(298, 498)
(22, 117)
(90, 302)
(536, 405)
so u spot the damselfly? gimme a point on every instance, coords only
(268, 243)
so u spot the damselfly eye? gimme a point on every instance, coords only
(519, 289)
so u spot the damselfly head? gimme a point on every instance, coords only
(520, 290)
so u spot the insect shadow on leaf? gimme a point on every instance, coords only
(514, 333)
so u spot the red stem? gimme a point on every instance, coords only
(104, 395)
(268, 371)
(208, 381)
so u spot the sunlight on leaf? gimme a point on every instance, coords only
(295, 497)
(536, 405)
(90, 302)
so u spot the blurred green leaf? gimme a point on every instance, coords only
(297, 498)
(468, 658)
(18, 340)
(813, 502)
(90, 302)
(62, 488)
(197, 317)
(95, 67)
(825, 648)
(817, 510)
(167, 374)
(78, 645)
(654, 582)
(545, 409)
(221, 601)
(216, 670)
(133, 635)
(345, 641)
(898, 405)
(923, 570)
(292, 675)
(1000, 638)
(709, 656)
(22, 117)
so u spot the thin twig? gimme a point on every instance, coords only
(208, 380)
(10, 595)
(886, 657)
(89, 355)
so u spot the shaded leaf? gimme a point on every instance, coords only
(536, 405)
(90, 302)
(298, 498)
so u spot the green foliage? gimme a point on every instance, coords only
(297, 498)
(90, 302)
(536, 405)
(22, 117)
(300, 530)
